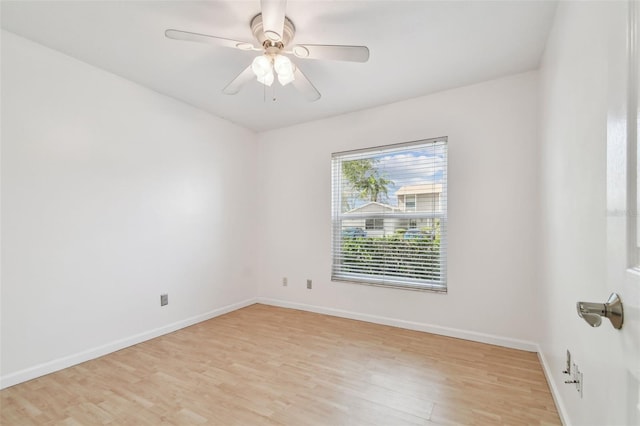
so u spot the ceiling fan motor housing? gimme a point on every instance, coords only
(258, 32)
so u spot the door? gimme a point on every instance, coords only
(623, 202)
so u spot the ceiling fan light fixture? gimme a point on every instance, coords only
(282, 65)
(286, 78)
(262, 66)
(267, 79)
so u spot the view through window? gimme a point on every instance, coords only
(390, 215)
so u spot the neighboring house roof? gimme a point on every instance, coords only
(373, 207)
(427, 188)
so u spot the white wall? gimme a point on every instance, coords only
(111, 195)
(574, 98)
(493, 211)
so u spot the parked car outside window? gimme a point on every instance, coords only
(415, 234)
(354, 233)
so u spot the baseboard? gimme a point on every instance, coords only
(410, 325)
(74, 359)
(562, 411)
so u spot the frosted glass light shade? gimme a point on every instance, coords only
(286, 78)
(264, 66)
(261, 66)
(267, 79)
(285, 69)
(282, 65)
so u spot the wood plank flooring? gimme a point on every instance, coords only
(263, 365)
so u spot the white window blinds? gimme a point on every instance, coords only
(389, 214)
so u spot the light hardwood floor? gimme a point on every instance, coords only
(263, 365)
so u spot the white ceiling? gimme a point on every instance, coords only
(417, 47)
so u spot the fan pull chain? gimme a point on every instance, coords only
(264, 93)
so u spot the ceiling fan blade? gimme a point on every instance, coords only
(304, 86)
(209, 39)
(332, 52)
(273, 12)
(243, 78)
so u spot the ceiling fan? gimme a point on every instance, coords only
(274, 33)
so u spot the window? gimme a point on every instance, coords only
(397, 196)
(374, 223)
(410, 202)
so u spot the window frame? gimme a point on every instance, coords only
(377, 224)
(405, 283)
(414, 203)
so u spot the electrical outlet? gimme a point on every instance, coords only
(309, 284)
(576, 378)
(285, 282)
(164, 299)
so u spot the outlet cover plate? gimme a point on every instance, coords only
(579, 383)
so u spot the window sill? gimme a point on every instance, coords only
(399, 286)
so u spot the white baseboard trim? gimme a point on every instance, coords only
(562, 411)
(410, 325)
(74, 359)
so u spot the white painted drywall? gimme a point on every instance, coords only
(493, 209)
(111, 195)
(574, 99)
